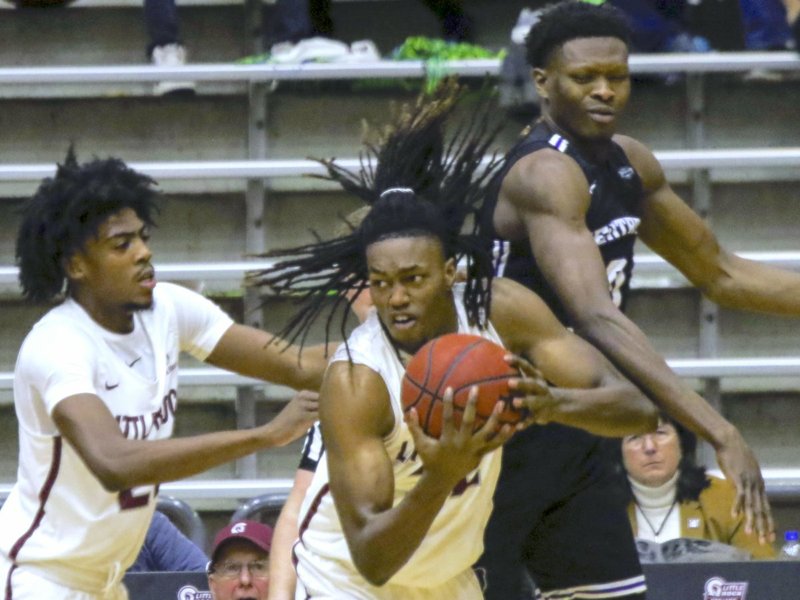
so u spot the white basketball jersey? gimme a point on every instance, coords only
(455, 539)
(58, 520)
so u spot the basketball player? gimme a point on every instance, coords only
(95, 386)
(393, 513)
(573, 197)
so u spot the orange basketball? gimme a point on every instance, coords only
(459, 361)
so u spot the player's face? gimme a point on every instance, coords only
(239, 573)
(112, 275)
(585, 86)
(410, 283)
(652, 459)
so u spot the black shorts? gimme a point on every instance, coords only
(556, 515)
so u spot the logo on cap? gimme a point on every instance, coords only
(239, 528)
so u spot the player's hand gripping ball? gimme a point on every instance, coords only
(459, 361)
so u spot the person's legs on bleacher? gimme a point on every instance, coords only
(165, 48)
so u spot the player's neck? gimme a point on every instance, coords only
(594, 150)
(116, 319)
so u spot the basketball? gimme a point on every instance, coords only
(459, 361)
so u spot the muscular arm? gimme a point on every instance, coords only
(119, 463)
(252, 352)
(356, 415)
(550, 195)
(678, 234)
(591, 393)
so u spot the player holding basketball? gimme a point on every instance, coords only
(412, 508)
(574, 196)
(95, 386)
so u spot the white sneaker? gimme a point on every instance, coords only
(315, 49)
(362, 51)
(171, 55)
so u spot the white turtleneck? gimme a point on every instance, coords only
(657, 514)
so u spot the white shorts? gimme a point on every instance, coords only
(25, 585)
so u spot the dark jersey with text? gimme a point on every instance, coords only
(556, 511)
(612, 217)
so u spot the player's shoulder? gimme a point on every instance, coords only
(640, 156)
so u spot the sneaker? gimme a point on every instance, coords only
(362, 51)
(315, 49)
(171, 55)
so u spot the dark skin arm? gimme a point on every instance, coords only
(120, 463)
(551, 214)
(255, 353)
(356, 415)
(679, 235)
(590, 393)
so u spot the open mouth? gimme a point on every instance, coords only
(403, 321)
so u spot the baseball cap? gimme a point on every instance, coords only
(257, 533)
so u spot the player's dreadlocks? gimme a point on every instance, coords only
(565, 21)
(67, 210)
(416, 183)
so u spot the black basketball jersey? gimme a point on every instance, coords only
(613, 217)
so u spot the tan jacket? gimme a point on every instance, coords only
(709, 518)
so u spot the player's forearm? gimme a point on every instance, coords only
(630, 351)
(130, 463)
(614, 410)
(743, 284)
(387, 540)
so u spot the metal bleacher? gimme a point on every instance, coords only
(697, 166)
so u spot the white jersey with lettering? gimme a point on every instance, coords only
(58, 522)
(440, 566)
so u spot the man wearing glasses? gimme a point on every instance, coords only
(239, 567)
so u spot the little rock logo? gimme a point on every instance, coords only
(189, 592)
(717, 588)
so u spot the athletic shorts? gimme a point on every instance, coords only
(556, 515)
(20, 583)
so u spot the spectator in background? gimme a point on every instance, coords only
(239, 566)
(167, 549)
(669, 496)
(667, 25)
(300, 31)
(165, 48)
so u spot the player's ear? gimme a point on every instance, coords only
(539, 76)
(74, 267)
(450, 269)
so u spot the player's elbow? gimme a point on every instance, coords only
(374, 575)
(372, 568)
(646, 417)
(112, 475)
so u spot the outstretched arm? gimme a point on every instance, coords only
(120, 463)
(356, 415)
(255, 353)
(590, 394)
(553, 211)
(678, 234)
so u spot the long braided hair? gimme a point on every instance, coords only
(416, 182)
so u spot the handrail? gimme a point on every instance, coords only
(645, 265)
(264, 169)
(699, 368)
(716, 62)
